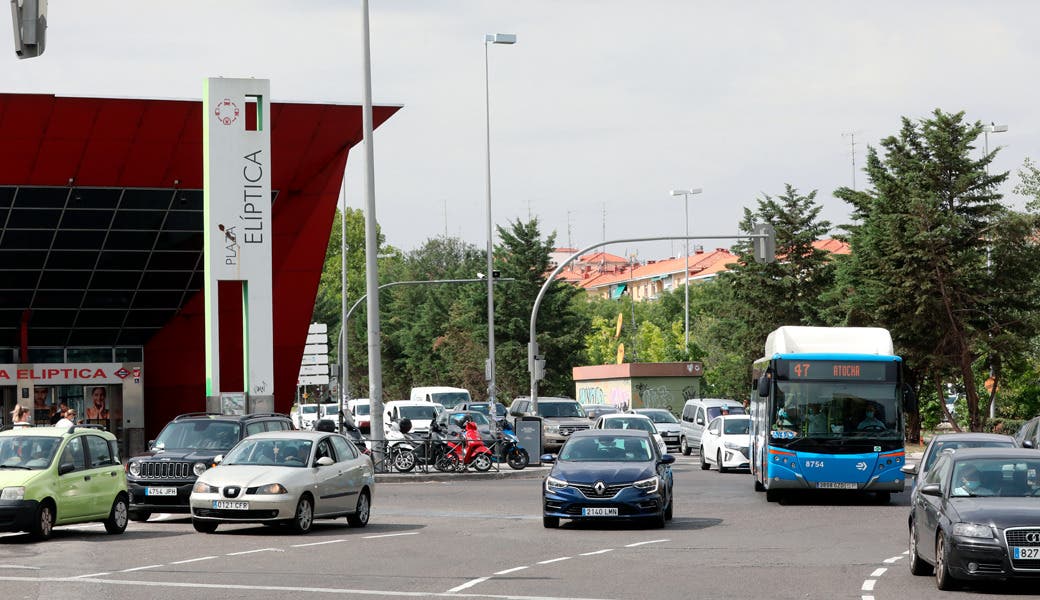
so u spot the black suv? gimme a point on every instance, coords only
(161, 480)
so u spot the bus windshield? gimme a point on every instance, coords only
(823, 409)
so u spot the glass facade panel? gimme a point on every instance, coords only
(46, 355)
(85, 355)
(129, 354)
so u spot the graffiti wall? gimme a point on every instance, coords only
(615, 392)
(650, 392)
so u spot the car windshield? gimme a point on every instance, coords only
(450, 398)
(477, 417)
(607, 449)
(361, 409)
(329, 409)
(560, 409)
(482, 407)
(660, 416)
(198, 434)
(27, 452)
(421, 413)
(1001, 477)
(629, 423)
(309, 409)
(736, 426)
(715, 411)
(939, 445)
(268, 452)
(835, 410)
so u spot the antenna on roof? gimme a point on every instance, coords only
(852, 136)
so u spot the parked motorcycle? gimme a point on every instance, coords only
(470, 450)
(400, 447)
(509, 448)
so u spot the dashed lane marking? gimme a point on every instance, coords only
(878, 572)
(19, 567)
(468, 584)
(92, 575)
(645, 543)
(552, 560)
(603, 551)
(317, 543)
(254, 551)
(140, 568)
(191, 560)
(868, 585)
(889, 561)
(386, 535)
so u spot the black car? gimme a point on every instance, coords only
(976, 515)
(161, 480)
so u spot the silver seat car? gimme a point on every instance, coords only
(290, 477)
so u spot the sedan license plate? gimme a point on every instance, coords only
(160, 491)
(837, 485)
(599, 512)
(230, 505)
(1026, 553)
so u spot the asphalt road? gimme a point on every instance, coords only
(483, 537)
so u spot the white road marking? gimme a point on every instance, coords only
(257, 550)
(866, 598)
(91, 575)
(513, 570)
(191, 560)
(385, 535)
(604, 551)
(19, 567)
(868, 585)
(468, 584)
(644, 543)
(317, 543)
(552, 560)
(140, 568)
(889, 561)
(274, 588)
(906, 552)
(878, 572)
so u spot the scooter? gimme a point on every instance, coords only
(400, 449)
(509, 447)
(470, 450)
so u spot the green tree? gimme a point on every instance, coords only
(920, 240)
(523, 254)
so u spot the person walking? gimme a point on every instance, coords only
(20, 416)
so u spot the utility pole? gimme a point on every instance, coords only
(852, 136)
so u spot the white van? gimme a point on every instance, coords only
(697, 413)
(359, 409)
(447, 397)
(420, 412)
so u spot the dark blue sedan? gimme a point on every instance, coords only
(608, 474)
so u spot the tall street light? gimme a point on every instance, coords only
(986, 130)
(686, 200)
(491, 38)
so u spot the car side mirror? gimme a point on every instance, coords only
(548, 458)
(218, 459)
(700, 421)
(325, 461)
(931, 489)
(909, 469)
(64, 468)
(667, 459)
(1027, 443)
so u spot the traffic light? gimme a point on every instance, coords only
(30, 27)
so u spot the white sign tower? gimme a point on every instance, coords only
(237, 205)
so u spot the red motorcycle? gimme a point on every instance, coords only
(469, 450)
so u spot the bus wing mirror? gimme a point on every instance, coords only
(763, 386)
(909, 399)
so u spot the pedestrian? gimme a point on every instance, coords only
(68, 420)
(20, 416)
(60, 413)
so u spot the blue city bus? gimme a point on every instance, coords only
(828, 420)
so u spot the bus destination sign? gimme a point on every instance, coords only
(835, 370)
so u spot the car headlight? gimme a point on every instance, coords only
(647, 485)
(273, 488)
(552, 483)
(135, 468)
(13, 493)
(731, 445)
(552, 428)
(972, 530)
(199, 468)
(204, 488)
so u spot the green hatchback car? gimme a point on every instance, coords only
(58, 476)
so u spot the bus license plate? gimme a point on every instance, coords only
(1027, 553)
(160, 491)
(837, 485)
(599, 512)
(230, 505)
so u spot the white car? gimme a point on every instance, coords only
(359, 409)
(666, 423)
(726, 443)
(632, 421)
(290, 477)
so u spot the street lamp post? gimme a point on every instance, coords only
(986, 130)
(686, 278)
(491, 38)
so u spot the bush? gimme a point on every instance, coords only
(1005, 426)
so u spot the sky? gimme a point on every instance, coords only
(597, 112)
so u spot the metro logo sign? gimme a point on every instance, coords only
(122, 373)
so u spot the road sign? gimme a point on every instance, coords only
(315, 359)
(318, 328)
(317, 338)
(314, 370)
(313, 380)
(316, 349)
